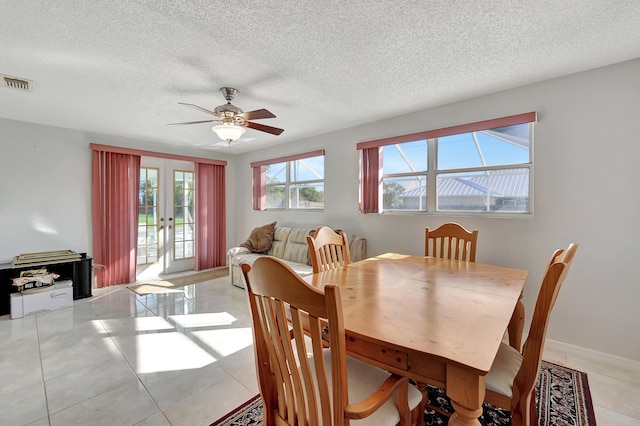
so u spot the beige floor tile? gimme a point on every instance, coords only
(209, 404)
(78, 356)
(620, 372)
(69, 389)
(23, 406)
(158, 419)
(170, 387)
(157, 352)
(20, 365)
(16, 330)
(40, 422)
(615, 395)
(124, 405)
(606, 417)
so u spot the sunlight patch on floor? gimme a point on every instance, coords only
(202, 320)
(225, 342)
(168, 351)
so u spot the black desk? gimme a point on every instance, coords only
(78, 271)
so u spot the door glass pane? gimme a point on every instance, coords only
(147, 241)
(183, 212)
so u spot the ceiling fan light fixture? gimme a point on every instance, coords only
(229, 132)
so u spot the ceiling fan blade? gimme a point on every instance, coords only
(200, 108)
(191, 122)
(257, 114)
(263, 128)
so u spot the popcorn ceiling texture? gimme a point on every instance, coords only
(121, 67)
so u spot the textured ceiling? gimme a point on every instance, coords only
(121, 67)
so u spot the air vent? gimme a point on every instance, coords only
(16, 83)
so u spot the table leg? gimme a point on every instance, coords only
(466, 390)
(516, 326)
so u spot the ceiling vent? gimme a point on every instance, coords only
(16, 83)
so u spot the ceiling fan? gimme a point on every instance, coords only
(233, 119)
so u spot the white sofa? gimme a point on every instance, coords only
(289, 245)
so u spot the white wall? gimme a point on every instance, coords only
(45, 186)
(587, 147)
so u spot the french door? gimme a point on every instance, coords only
(166, 217)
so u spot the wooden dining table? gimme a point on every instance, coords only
(436, 321)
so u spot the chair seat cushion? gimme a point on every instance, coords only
(504, 370)
(363, 380)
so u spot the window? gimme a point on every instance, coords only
(294, 182)
(482, 167)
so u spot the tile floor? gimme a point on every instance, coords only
(180, 358)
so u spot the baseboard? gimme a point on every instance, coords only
(591, 354)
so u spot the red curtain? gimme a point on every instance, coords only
(259, 189)
(371, 179)
(210, 216)
(115, 187)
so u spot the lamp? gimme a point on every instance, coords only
(228, 132)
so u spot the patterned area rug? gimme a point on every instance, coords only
(562, 395)
(168, 285)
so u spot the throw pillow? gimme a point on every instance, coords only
(261, 238)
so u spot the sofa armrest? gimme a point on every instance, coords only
(357, 248)
(234, 272)
(237, 250)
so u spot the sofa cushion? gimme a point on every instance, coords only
(261, 238)
(280, 238)
(297, 248)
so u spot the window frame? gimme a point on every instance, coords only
(260, 185)
(368, 176)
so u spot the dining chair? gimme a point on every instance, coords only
(512, 378)
(451, 241)
(328, 249)
(516, 324)
(301, 381)
(511, 382)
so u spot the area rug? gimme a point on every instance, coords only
(562, 396)
(173, 283)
